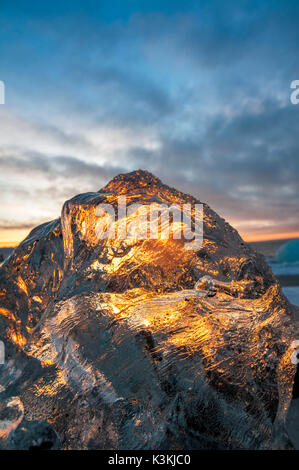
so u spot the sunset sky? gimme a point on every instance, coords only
(197, 92)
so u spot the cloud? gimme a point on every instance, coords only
(198, 95)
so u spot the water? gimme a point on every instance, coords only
(292, 293)
(285, 269)
(288, 269)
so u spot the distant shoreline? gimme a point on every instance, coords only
(270, 247)
(5, 251)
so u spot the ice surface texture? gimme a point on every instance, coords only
(289, 252)
(109, 346)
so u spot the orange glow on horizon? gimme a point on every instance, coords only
(9, 238)
(270, 237)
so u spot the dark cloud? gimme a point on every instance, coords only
(202, 92)
(245, 167)
(35, 164)
(8, 225)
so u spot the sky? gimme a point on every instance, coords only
(197, 92)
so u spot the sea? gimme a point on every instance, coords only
(288, 271)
